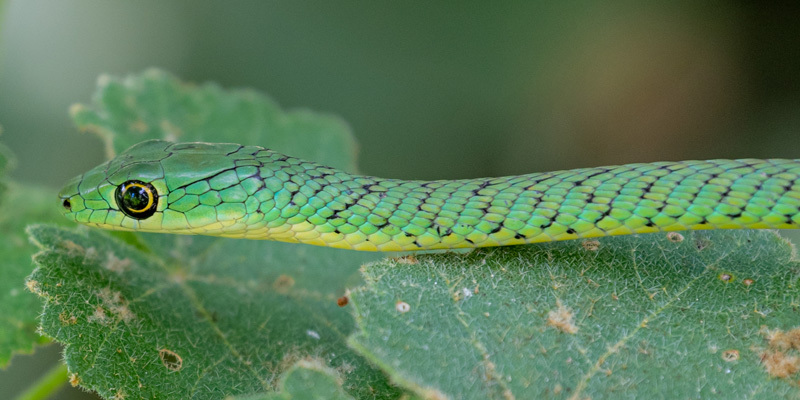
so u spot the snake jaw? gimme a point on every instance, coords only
(89, 199)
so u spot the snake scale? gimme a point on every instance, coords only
(230, 190)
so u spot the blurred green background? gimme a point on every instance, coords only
(451, 89)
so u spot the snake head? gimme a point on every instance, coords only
(125, 193)
(133, 191)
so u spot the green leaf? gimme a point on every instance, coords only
(207, 318)
(155, 105)
(166, 316)
(19, 206)
(306, 380)
(684, 316)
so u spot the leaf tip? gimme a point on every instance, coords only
(74, 379)
(76, 110)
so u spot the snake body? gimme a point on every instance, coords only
(256, 193)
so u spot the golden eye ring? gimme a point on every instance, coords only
(137, 199)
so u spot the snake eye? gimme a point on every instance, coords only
(137, 199)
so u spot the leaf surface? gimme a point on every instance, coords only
(305, 380)
(701, 314)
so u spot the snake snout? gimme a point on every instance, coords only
(67, 204)
(68, 196)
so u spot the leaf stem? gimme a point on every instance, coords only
(47, 385)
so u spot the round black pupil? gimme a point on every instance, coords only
(135, 198)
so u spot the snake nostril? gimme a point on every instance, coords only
(67, 205)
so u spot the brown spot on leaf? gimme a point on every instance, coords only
(67, 319)
(748, 282)
(99, 316)
(730, 355)
(408, 260)
(726, 277)
(591, 245)
(402, 307)
(116, 304)
(71, 247)
(562, 318)
(170, 359)
(342, 301)
(34, 287)
(785, 340)
(120, 395)
(345, 368)
(115, 264)
(781, 359)
(283, 283)
(74, 380)
(462, 294)
(779, 364)
(675, 237)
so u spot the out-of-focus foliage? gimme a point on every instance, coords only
(19, 205)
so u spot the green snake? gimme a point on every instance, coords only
(255, 193)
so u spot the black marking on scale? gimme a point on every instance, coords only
(235, 151)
